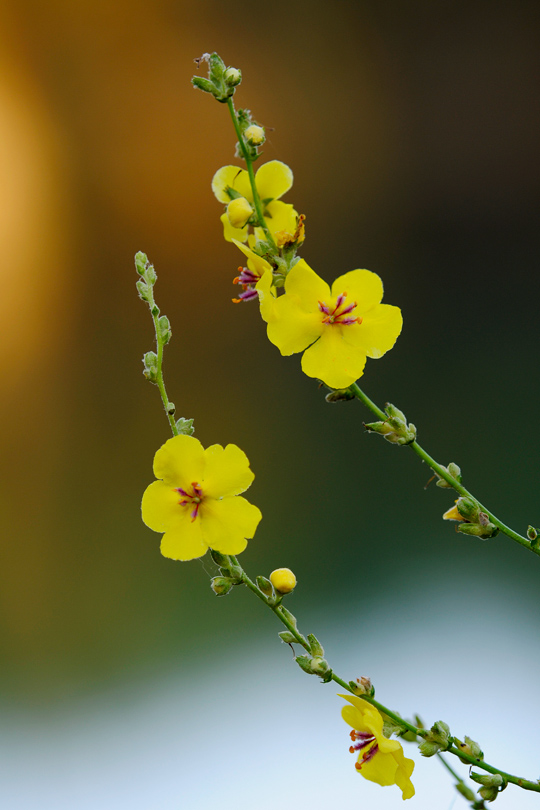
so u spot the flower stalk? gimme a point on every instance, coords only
(443, 473)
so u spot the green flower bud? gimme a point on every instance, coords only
(478, 530)
(223, 560)
(340, 395)
(532, 534)
(221, 585)
(203, 84)
(440, 732)
(144, 290)
(467, 508)
(470, 747)
(489, 794)
(185, 426)
(265, 586)
(304, 662)
(232, 76)
(288, 615)
(315, 646)
(287, 637)
(164, 329)
(216, 67)
(395, 413)
(319, 666)
(141, 261)
(171, 409)
(150, 369)
(429, 749)
(452, 470)
(487, 779)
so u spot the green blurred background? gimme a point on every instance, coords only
(412, 130)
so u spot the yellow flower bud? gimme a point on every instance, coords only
(255, 135)
(238, 212)
(283, 580)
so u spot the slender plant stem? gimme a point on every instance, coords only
(420, 732)
(251, 173)
(442, 472)
(160, 382)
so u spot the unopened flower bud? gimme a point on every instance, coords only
(287, 637)
(467, 508)
(164, 329)
(429, 749)
(141, 261)
(232, 76)
(221, 585)
(316, 646)
(452, 470)
(283, 580)
(150, 369)
(483, 530)
(171, 408)
(319, 666)
(487, 779)
(265, 586)
(532, 534)
(143, 289)
(469, 747)
(288, 615)
(238, 212)
(489, 794)
(185, 427)
(340, 395)
(255, 135)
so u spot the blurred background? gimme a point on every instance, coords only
(412, 130)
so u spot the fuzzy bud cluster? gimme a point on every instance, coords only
(472, 520)
(230, 574)
(395, 428)
(221, 82)
(437, 739)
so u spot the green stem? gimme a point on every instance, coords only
(442, 472)
(251, 173)
(420, 732)
(160, 382)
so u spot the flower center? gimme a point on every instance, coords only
(363, 740)
(193, 498)
(340, 314)
(247, 279)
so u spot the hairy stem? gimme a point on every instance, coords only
(251, 173)
(442, 472)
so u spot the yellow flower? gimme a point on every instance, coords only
(380, 760)
(258, 280)
(341, 327)
(196, 501)
(273, 180)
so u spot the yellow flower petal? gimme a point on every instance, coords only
(227, 471)
(292, 329)
(304, 282)
(267, 297)
(255, 262)
(273, 180)
(362, 286)
(230, 233)
(231, 177)
(228, 524)
(180, 461)
(378, 332)
(279, 216)
(160, 506)
(333, 360)
(184, 540)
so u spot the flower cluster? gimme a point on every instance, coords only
(337, 328)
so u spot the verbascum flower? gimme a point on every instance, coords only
(379, 760)
(273, 180)
(339, 328)
(196, 501)
(257, 280)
